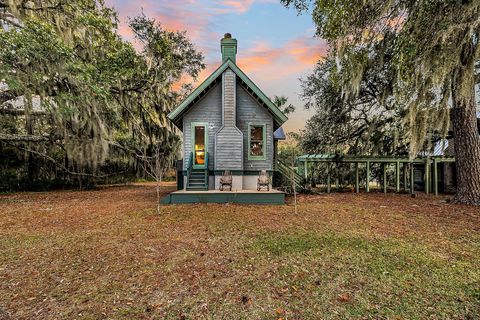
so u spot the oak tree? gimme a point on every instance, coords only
(435, 48)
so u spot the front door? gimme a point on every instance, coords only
(200, 142)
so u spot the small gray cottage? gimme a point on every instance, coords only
(228, 123)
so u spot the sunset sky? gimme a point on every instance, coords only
(276, 47)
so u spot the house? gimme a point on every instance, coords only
(447, 181)
(228, 123)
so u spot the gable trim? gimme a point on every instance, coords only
(279, 117)
(176, 114)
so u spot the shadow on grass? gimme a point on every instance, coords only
(355, 276)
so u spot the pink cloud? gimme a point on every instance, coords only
(236, 6)
(258, 56)
(307, 50)
(193, 16)
(239, 6)
(273, 65)
(294, 56)
(275, 69)
(197, 19)
(270, 65)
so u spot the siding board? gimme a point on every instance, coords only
(208, 110)
(229, 139)
(250, 111)
(228, 145)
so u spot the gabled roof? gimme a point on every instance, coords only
(177, 114)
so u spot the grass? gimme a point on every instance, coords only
(378, 278)
(106, 254)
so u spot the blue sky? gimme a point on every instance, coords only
(276, 46)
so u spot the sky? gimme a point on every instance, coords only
(276, 46)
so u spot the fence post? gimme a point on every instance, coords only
(305, 164)
(427, 175)
(357, 188)
(435, 176)
(412, 178)
(328, 177)
(384, 178)
(397, 176)
(367, 187)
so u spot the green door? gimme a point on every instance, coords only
(200, 144)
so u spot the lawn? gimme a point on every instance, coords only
(107, 254)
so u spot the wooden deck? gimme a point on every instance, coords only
(217, 196)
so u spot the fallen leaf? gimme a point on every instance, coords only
(344, 297)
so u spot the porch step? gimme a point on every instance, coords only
(194, 188)
(214, 196)
(197, 183)
(197, 180)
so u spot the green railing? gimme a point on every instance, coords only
(189, 168)
(206, 169)
(290, 174)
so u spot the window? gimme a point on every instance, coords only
(256, 142)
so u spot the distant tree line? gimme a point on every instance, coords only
(80, 105)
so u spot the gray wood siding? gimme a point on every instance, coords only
(208, 110)
(228, 145)
(229, 139)
(229, 149)
(228, 82)
(250, 111)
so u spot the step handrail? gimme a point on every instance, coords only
(287, 168)
(206, 169)
(287, 171)
(189, 168)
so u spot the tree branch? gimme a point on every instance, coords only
(5, 137)
(7, 95)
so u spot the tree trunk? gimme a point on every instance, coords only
(465, 132)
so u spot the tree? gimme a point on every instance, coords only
(76, 95)
(170, 55)
(435, 46)
(366, 123)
